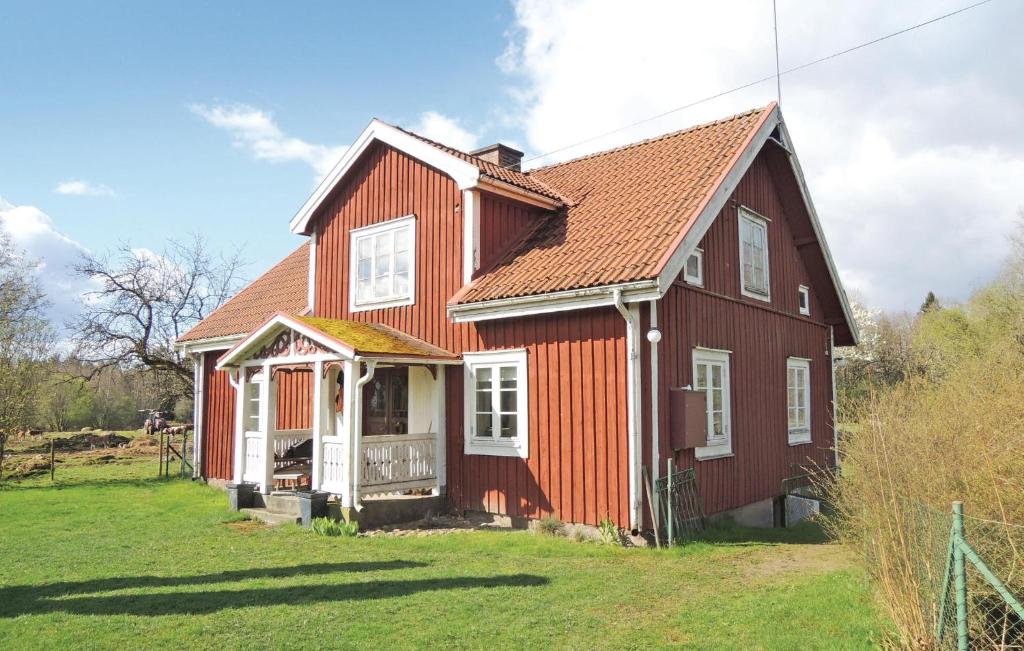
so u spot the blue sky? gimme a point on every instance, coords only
(137, 122)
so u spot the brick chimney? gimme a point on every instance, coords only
(500, 154)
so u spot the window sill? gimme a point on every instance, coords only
(396, 302)
(793, 442)
(483, 448)
(764, 298)
(710, 452)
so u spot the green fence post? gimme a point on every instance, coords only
(960, 576)
(668, 501)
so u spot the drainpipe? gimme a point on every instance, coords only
(357, 434)
(654, 336)
(632, 406)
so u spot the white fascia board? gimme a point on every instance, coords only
(208, 344)
(553, 302)
(465, 174)
(818, 233)
(721, 195)
(275, 323)
(501, 188)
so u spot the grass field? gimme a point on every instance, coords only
(109, 557)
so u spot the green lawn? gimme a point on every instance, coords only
(111, 557)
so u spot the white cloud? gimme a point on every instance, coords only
(255, 131)
(446, 131)
(83, 189)
(33, 231)
(912, 146)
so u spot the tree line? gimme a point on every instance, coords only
(115, 359)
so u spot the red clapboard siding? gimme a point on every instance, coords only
(294, 399)
(761, 337)
(577, 463)
(502, 223)
(218, 443)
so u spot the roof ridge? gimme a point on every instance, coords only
(647, 141)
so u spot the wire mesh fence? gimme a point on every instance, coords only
(970, 577)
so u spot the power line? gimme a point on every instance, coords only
(778, 75)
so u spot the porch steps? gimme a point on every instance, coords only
(268, 517)
(282, 507)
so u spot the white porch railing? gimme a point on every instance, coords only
(287, 438)
(253, 453)
(334, 452)
(398, 462)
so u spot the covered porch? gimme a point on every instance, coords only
(377, 409)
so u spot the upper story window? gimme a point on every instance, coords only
(383, 270)
(798, 388)
(754, 280)
(694, 273)
(496, 418)
(805, 299)
(711, 375)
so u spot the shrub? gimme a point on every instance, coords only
(609, 532)
(550, 526)
(329, 527)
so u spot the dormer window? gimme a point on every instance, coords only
(805, 299)
(694, 273)
(754, 280)
(383, 265)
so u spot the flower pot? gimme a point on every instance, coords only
(240, 496)
(312, 504)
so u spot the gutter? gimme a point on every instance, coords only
(574, 299)
(633, 415)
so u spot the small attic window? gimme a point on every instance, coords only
(694, 272)
(805, 299)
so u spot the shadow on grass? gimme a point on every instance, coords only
(23, 600)
(729, 533)
(40, 482)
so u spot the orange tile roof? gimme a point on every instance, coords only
(626, 209)
(283, 288)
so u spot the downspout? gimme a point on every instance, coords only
(835, 404)
(357, 434)
(632, 407)
(198, 400)
(654, 336)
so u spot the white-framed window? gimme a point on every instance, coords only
(754, 275)
(252, 404)
(383, 268)
(711, 375)
(496, 409)
(805, 299)
(694, 272)
(798, 399)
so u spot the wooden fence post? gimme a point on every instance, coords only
(3, 444)
(52, 458)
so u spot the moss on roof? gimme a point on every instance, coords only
(373, 338)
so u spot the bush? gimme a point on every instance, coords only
(609, 532)
(550, 526)
(329, 527)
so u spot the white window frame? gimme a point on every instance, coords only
(721, 446)
(517, 446)
(748, 216)
(697, 280)
(255, 383)
(371, 231)
(804, 299)
(799, 435)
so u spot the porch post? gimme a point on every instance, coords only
(352, 370)
(318, 424)
(268, 419)
(239, 465)
(441, 429)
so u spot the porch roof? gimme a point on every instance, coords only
(348, 339)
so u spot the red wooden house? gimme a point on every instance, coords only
(513, 340)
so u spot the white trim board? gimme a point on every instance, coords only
(465, 174)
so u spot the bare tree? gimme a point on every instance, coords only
(24, 335)
(144, 301)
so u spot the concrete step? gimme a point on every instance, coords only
(283, 503)
(270, 518)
